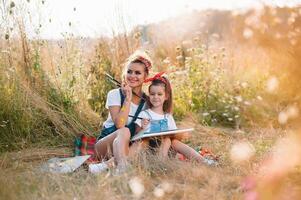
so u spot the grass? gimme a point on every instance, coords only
(53, 90)
(21, 179)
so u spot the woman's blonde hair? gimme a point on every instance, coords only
(138, 57)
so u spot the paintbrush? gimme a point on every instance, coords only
(117, 83)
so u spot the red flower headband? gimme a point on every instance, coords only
(146, 62)
(156, 77)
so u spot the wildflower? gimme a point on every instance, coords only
(272, 84)
(236, 108)
(188, 58)
(205, 114)
(136, 186)
(242, 151)
(187, 42)
(230, 119)
(225, 114)
(167, 187)
(247, 33)
(247, 103)
(179, 57)
(137, 35)
(215, 35)
(158, 192)
(166, 60)
(12, 4)
(212, 111)
(292, 111)
(236, 116)
(259, 98)
(282, 117)
(238, 98)
(244, 84)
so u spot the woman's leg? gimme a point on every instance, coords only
(105, 147)
(186, 150)
(121, 146)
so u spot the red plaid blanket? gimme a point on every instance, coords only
(84, 145)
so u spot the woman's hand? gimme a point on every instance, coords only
(144, 123)
(127, 91)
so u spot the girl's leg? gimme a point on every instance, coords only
(186, 150)
(164, 147)
(137, 147)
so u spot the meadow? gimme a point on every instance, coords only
(235, 78)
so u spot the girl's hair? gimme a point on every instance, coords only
(138, 57)
(163, 81)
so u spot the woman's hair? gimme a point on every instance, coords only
(164, 82)
(140, 57)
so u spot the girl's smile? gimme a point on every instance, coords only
(157, 96)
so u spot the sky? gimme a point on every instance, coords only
(93, 18)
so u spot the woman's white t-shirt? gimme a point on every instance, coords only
(155, 116)
(114, 99)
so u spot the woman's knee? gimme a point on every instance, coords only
(124, 133)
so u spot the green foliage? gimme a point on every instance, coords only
(98, 84)
(206, 88)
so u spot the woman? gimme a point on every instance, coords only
(123, 104)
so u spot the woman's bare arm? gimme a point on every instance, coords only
(120, 114)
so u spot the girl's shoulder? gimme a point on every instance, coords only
(169, 115)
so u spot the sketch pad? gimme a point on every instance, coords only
(144, 134)
(64, 165)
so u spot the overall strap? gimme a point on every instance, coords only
(150, 117)
(141, 104)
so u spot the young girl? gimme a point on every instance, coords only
(159, 118)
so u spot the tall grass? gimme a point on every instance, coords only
(57, 88)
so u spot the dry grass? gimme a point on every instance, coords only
(21, 179)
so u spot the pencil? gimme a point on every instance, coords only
(137, 117)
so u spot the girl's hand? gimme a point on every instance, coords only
(127, 91)
(144, 123)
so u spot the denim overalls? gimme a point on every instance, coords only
(156, 126)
